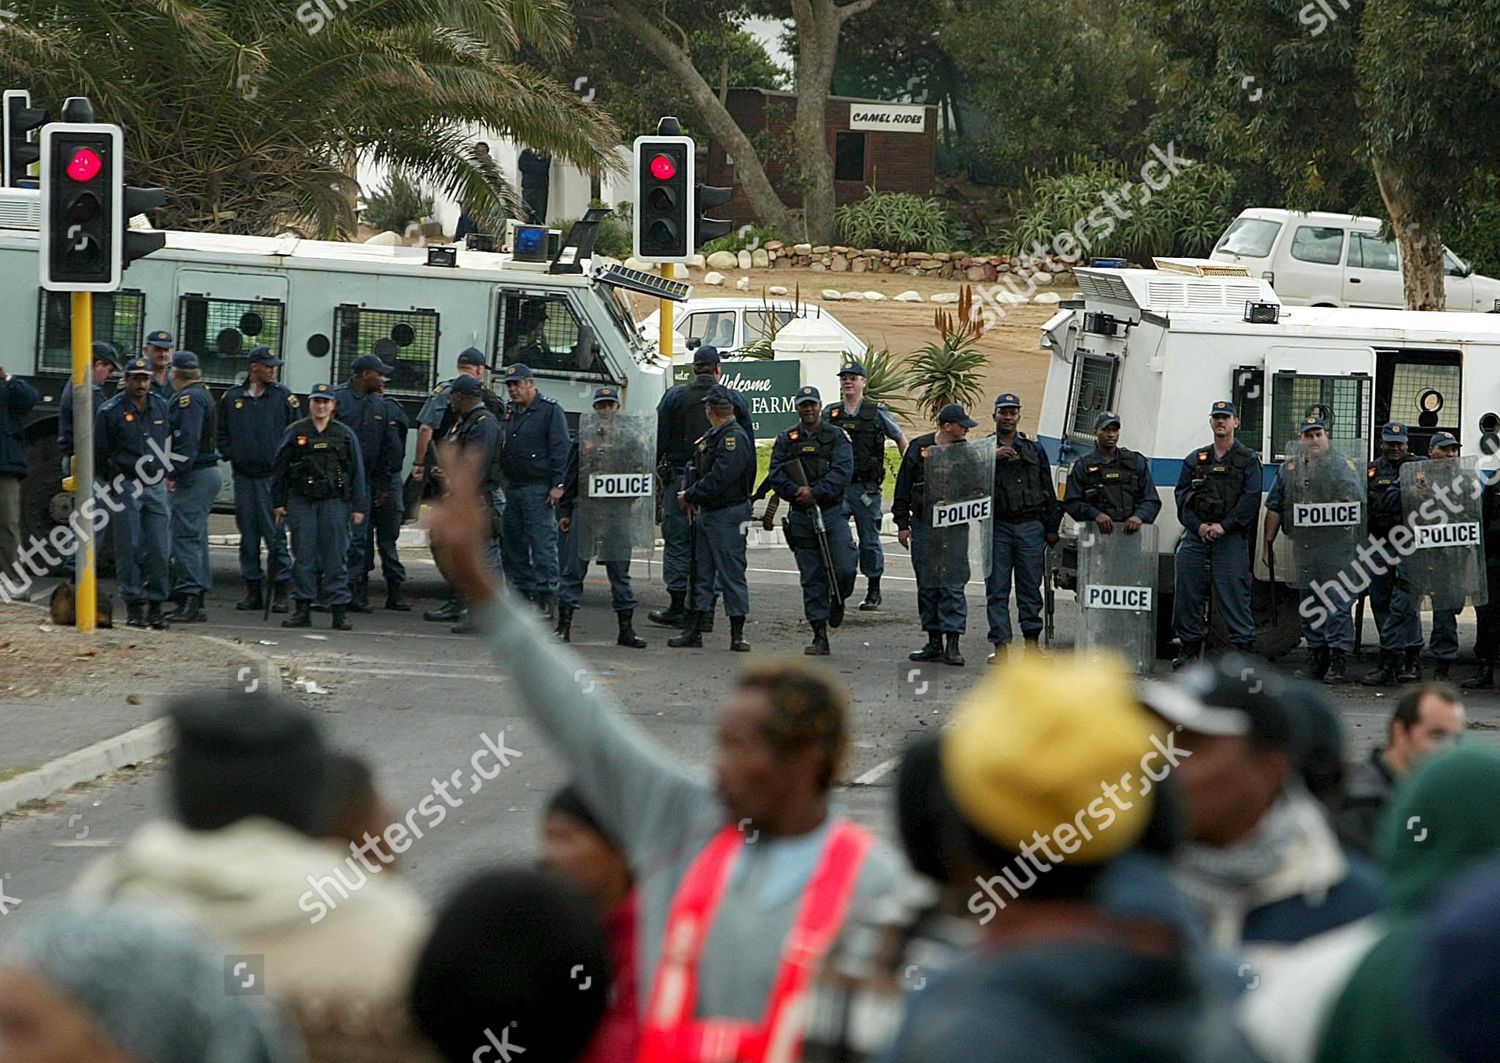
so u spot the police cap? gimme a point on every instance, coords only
(707, 355)
(159, 338)
(808, 394)
(953, 413)
(321, 390)
(184, 360)
(853, 369)
(1223, 408)
(719, 396)
(471, 356)
(106, 352)
(1311, 423)
(1007, 400)
(1394, 432)
(606, 394)
(1104, 418)
(138, 367)
(465, 385)
(517, 371)
(263, 354)
(1442, 439)
(372, 361)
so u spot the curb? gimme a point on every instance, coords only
(135, 746)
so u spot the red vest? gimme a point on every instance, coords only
(670, 1033)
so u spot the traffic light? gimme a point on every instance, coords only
(20, 150)
(86, 242)
(663, 202)
(705, 199)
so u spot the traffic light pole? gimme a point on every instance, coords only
(86, 597)
(664, 344)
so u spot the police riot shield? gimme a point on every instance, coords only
(616, 508)
(1324, 510)
(1117, 593)
(960, 503)
(1440, 500)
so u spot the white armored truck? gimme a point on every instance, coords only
(1158, 346)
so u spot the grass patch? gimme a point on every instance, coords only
(6, 774)
(892, 463)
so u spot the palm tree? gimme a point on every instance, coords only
(251, 113)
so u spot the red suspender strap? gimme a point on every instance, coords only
(670, 1033)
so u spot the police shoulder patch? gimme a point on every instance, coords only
(794, 435)
(1370, 472)
(293, 401)
(130, 417)
(302, 441)
(922, 453)
(834, 412)
(185, 400)
(239, 404)
(729, 442)
(1202, 455)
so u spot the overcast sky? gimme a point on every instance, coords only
(769, 31)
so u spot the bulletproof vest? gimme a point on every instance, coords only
(919, 475)
(1020, 492)
(207, 439)
(1381, 475)
(707, 453)
(321, 466)
(689, 420)
(869, 441)
(492, 402)
(814, 449)
(1113, 488)
(1218, 484)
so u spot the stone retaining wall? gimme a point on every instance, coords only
(838, 259)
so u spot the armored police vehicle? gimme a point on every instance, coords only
(319, 305)
(1159, 346)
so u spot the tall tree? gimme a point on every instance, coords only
(659, 29)
(251, 113)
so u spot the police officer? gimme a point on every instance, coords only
(1444, 644)
(826, 458)
(17, 397)
(715, 496)
(131, 448)
(1110, 485)
(575, 568)
(1027, 515)
(360, 403)
(1218, 498)
(1332, 637)
(158, 351)
(534, 464)
(318, 484)
(869, 426)
(252, 419)
(1390, 594)
(106, 363)
(942, 607)
(194, 484)
(476, 432)
(680, 423)
(1487, 637)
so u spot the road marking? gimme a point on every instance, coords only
(877, 773)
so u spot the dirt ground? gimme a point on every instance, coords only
(1016, 361)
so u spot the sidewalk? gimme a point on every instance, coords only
(74, 706)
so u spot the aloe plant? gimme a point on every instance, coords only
(947, 369)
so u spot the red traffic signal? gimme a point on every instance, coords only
(663, 225)
(85, 165)
(663, 168)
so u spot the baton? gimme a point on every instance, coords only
(798, 476)
(270, 593)
(1049, 631)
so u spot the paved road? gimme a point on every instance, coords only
(417, 701)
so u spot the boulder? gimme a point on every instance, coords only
(802, 249)
(776, 289)
(645, 267)
(774, 245)
(818, 267)
(821, 249)
(723, 260)
(832, 295)
(743, 284)
(385, 239)
(859, 265)
(696, 262)
(840, 264)
(909, 297)
(760, 258)
(1046, 297)
(874, 297)
(713, 277)
(742, 260)
(945, 297)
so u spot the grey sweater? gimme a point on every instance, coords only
(663, 814)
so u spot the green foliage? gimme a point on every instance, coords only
(1184, 218)
(895, 221)
(743, 239)
(1475, 237)
(397, 203)
(948, 369)
(612, 237)
(885, 380)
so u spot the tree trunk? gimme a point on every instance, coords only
(748, 169)
(1418, 238)
(818, 26)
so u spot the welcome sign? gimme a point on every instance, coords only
(769, 386)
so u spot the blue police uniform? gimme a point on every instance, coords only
(827, 458)
(479, 431)
(17, 397)
(160, 386)
(1026, 512)
(374, 420)
(319, 478)
(575, 569)
(719, 482)
(132, 452)
(1336, 631)
(943, 609)
(534, 460)
(680, 423)
(196, 481)
(1443, 644)
(1391, 600)
(251, 428)
(1119, 485)
(1223, 489)
(65, 415)
(868, 426)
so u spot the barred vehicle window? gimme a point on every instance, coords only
(1345, 400)
(542, 333)
(406, 340)
(1093, 391)
(1250, 400)
(221, 331)
(119, 318)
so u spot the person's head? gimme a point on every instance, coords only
(138, 376)
(1394, 440)
(321, 403)
(359, 808)
(1237, 731)
(1313, 436)
(123, 984)
(1007, 413)
(516, 957)
(368, 373)
(471, 363)
(852, 380)
(577, 847)
(1107, 431)
(953, 424)
(482, 149)
(106, 362)
(783, 735)
(718, 405)
(465, 394)
(706, 361)
(606, 401)
(186, 370)
(263, 365)
(809, 406)
(240, 755)
(519, 384)
(1443, 445)
(1429, 718)
(1223, 421)
(158, 349)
